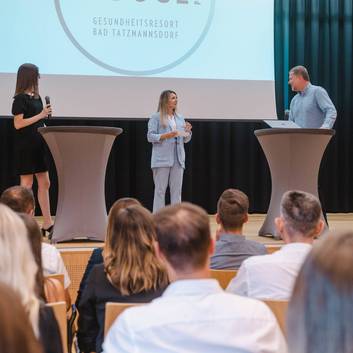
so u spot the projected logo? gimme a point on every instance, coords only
(136, 37)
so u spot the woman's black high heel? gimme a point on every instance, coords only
(48, 230)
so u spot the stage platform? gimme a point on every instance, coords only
(337, 222)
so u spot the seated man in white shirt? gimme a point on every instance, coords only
(21, 200)
(273, 276)
(194, 314)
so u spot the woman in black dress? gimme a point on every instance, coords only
(30, 150)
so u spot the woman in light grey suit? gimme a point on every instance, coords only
(167, 131)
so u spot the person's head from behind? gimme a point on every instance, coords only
(17, 266)
(184, 239)
(19, 199)
(34, 236)
(300, 217)
(321, 308)
(130, 256)
(16, 334)
(232, 210)
(27, 79)
(298, 78)
(114, 210)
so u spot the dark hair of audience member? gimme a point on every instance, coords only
(321, 308)
(129, 255)
(232, 208)
(35, 241)
(19, 199)
(16, 333)
(184, 236)
(301, 212)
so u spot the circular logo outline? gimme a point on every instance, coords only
(135, 72)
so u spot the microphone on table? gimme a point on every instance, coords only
(47, 102)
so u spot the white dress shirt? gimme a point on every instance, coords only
(270, 276)
(196, 316)
(53, 263)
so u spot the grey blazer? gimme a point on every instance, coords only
(163, 151)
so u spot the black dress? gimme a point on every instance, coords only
(30, 148)
(91, 308)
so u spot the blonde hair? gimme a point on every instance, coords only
(17, 266)
(129, 256)
(163, 106)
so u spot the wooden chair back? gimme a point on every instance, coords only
(59, 309)
(58, 276)
(223, 276)
(75, 262)
(112, 311)
(279, 309)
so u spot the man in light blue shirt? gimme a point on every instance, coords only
(311, 107)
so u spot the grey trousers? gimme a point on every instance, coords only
(163, 176)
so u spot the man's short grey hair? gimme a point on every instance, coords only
(301, 212)
(300, 71)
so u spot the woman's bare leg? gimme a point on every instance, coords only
(43, 198)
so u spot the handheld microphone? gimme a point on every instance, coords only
(47, 102)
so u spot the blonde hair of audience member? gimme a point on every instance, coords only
(17, 265)
(321, 308)
(49, 289)
(16, 333)
(117, 206)
(163, 106)
(129, 257)
(300, 219)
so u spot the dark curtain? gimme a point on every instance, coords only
(318, 35)
(315, 33)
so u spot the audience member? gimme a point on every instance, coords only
(272, 276)
(18, 270)
(21, 200)
(96, 257)
(321, 308)
(231, 247)
(131, 272)
(16, 334)
(194, 314)
(48, 289)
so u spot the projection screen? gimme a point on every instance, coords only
(112, 58)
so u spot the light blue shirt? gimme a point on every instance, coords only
(312, 108)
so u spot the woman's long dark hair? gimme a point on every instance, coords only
(27, 79)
